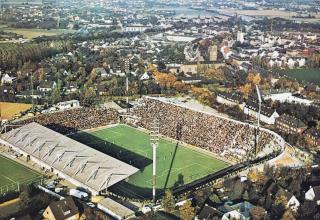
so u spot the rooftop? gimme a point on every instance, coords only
(78, 161)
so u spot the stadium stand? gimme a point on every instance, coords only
(76, 162)
(226, 137)
(73, 120)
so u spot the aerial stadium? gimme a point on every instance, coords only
(107, 151)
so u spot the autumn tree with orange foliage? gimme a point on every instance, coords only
(213, 73)
(246, 89)
(181, 87)
(253, 78)
(203, 95)
(165, 80)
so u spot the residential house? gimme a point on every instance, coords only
(145, 76)
(313, 135)
(233, 215)
(71, 87)
(206, 213)
(189, 68)
(230, 99)
(115, 209)
(293, 202)
(28, 93)
(197, 67)
(240, 211)
(267, 115)
(6, 79)
(313, 194)
(136, 28)
(290, 124)
(64, 209)
(102, 72)
(102, 89)
(7, 93)
(191, 80)
(46, 86)
(312, 88)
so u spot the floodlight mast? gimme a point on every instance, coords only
(127, 92)
(259, 111)
(154, 140)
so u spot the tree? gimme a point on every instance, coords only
(213, 73)
(89, 96)
(255, 176)
(246, 89)
(24, 199)
(203, 95)
(165, 80)
(55, 95)
(187, 211)
(168, 202)
(288, 215)
(245, 195)
(281, 200)
(279, 206)
(254, 79)
(257, 213)
(318, 125)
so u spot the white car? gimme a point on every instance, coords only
(90, 204)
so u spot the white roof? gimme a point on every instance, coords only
(116, 208)
(78, 161)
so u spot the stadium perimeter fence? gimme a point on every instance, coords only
(16, 186)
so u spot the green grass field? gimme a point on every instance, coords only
(34, 32)
(176, 165)
(13, 172)
(304, 75)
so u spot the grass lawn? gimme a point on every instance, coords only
(34, 32)
(9, 109)
(304, 75)
(13, 172)
(176, 165)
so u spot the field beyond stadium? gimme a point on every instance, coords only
(177, 165)
(12, 173)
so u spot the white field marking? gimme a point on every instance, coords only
(8, 178)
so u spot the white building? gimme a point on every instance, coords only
(136, 28)
(115, 209)
(288, 97)
(267, 115)
(313, 194)
(293, 203)
(6, 79)
(68, 104)
(179, 38)
(240, 36)
(233, 215)
(229, 99)
(145, 76)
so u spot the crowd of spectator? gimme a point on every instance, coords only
(225, 137)
(73, 120)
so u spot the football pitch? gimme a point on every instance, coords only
(12, 172)
(177, 165)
